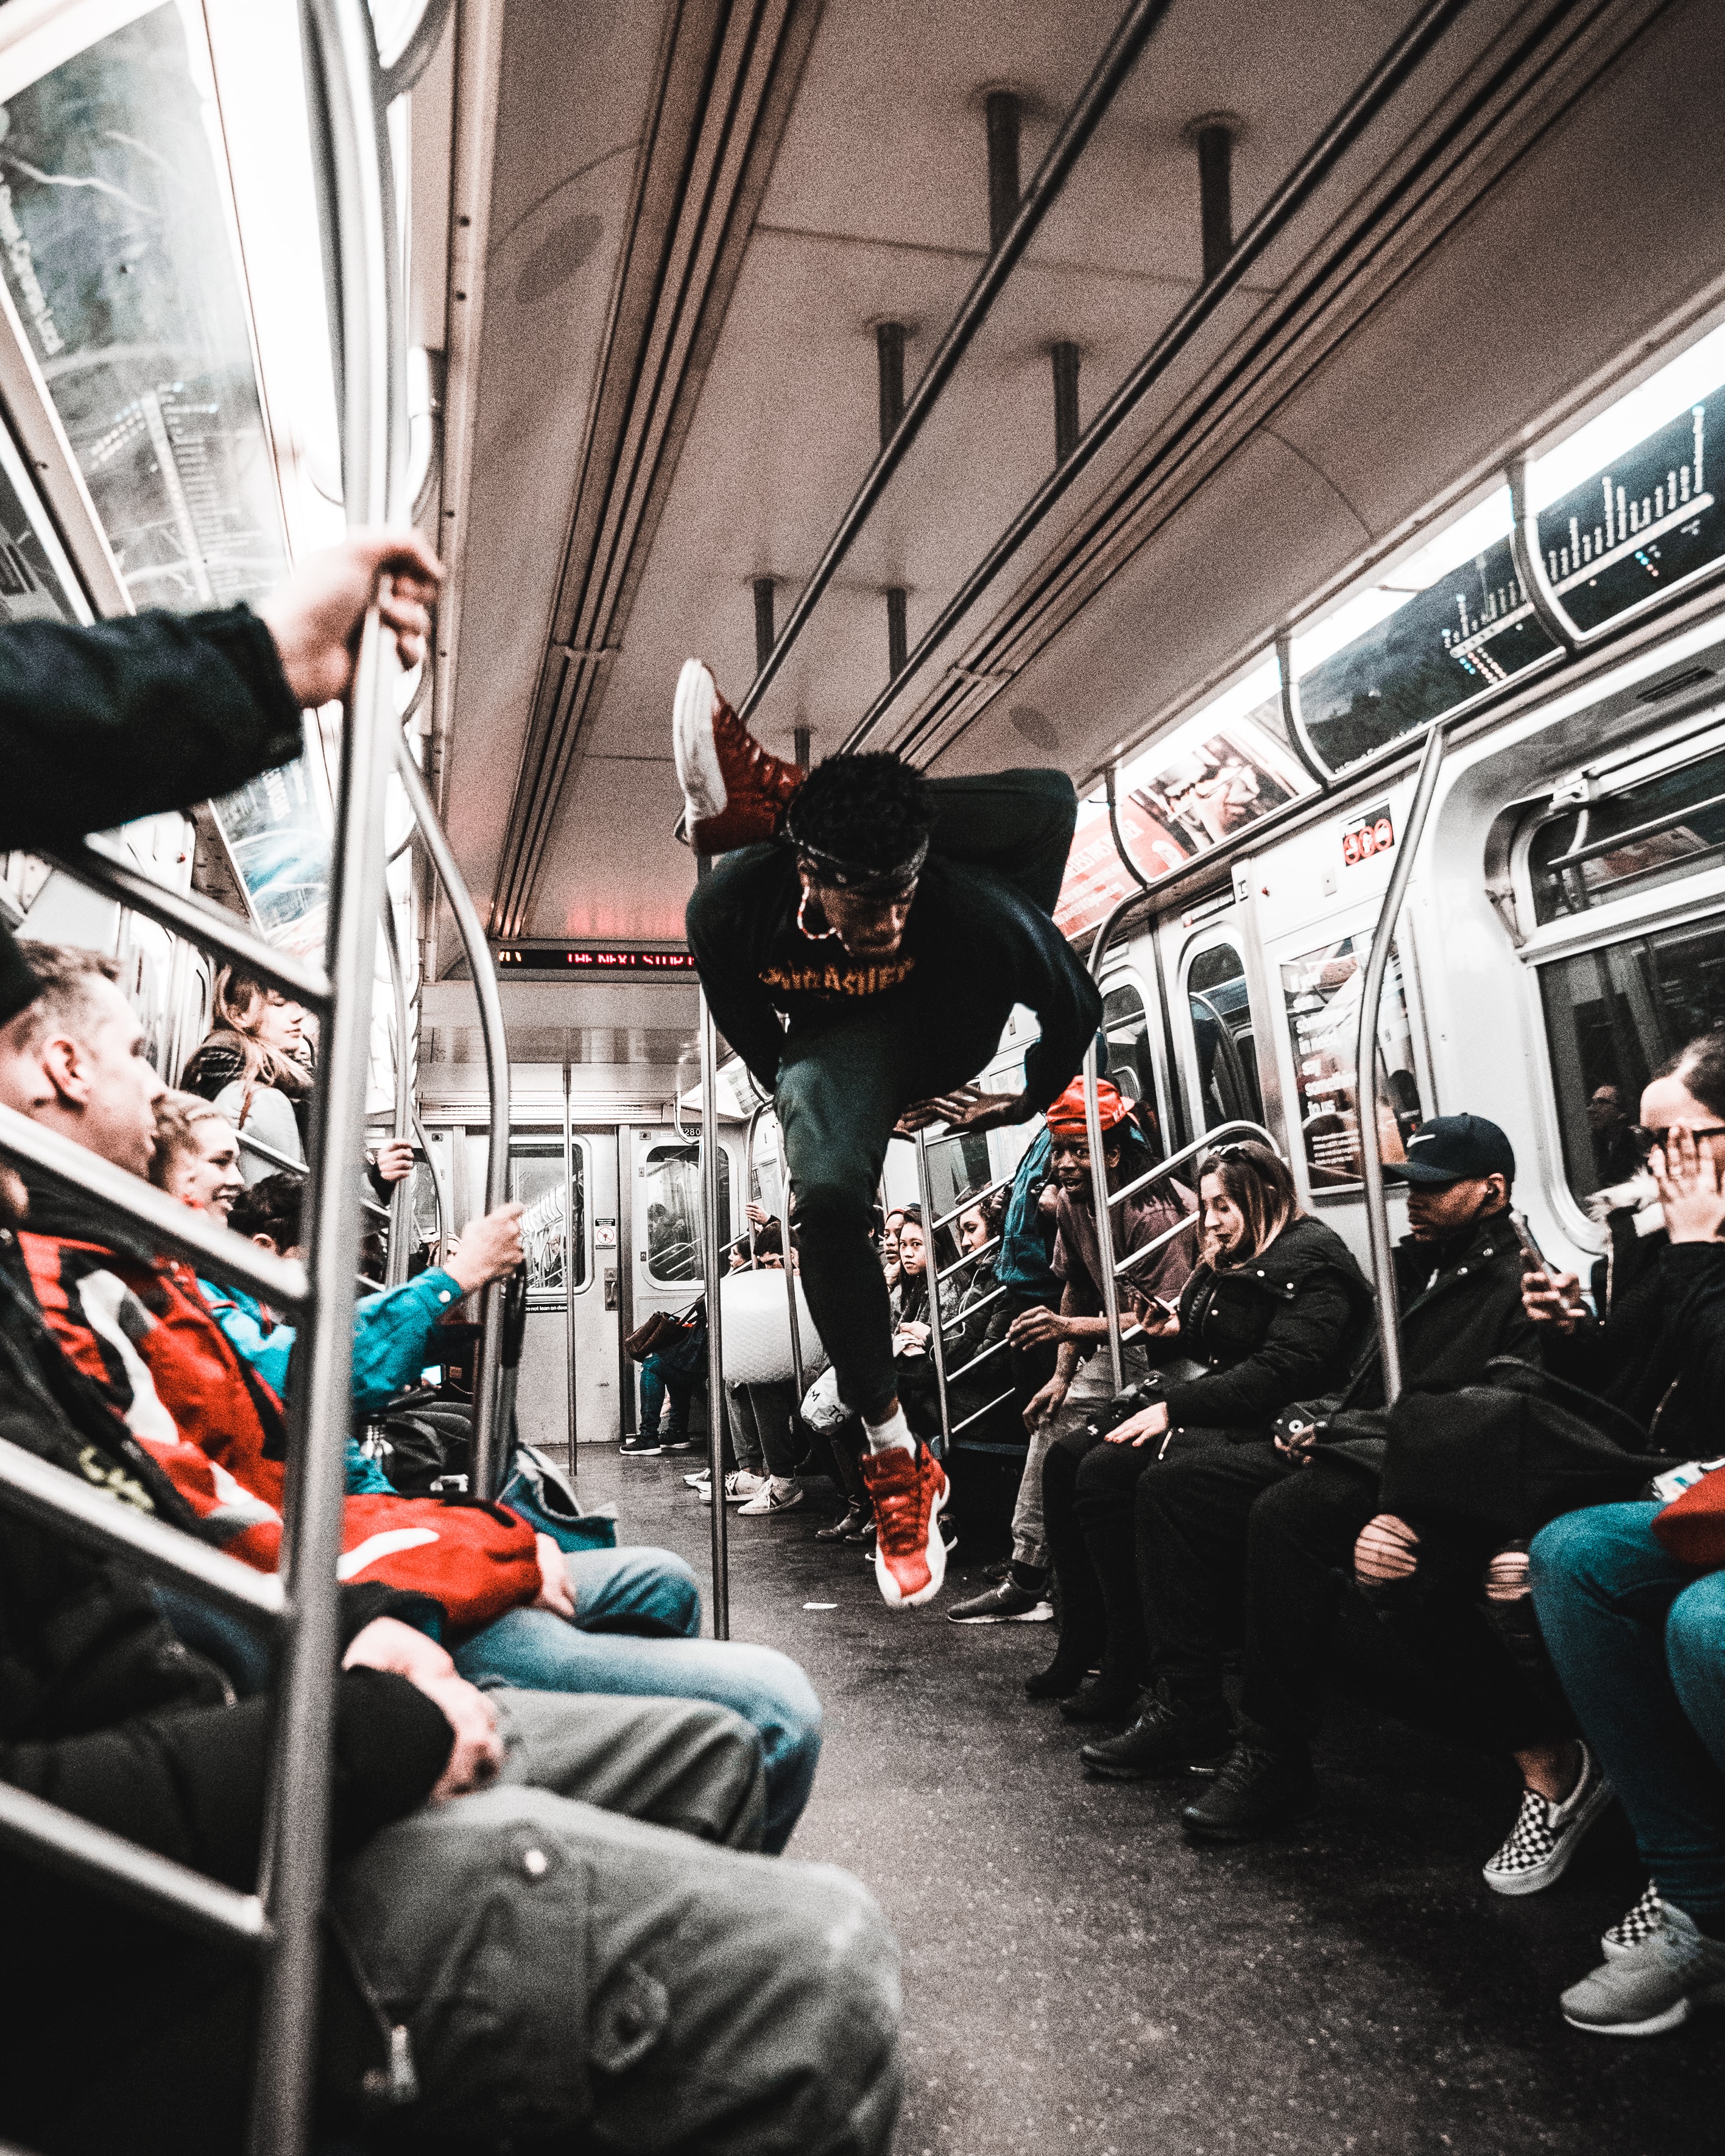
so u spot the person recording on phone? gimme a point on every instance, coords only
(1083, 1379)
(1656, 1349)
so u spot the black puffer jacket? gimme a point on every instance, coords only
(1280, 1328)
(105, 1713)
(1461, 1305)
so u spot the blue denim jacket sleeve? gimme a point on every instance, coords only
(392, 1335)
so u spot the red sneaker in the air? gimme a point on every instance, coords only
(910, 1492)
(734, 793)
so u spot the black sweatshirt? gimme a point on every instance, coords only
(100, 725)
(980, 938)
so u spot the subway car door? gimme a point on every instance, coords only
(587, 1197)
(661, 1234)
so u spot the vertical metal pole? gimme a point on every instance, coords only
(437, 1181)
(930, 1266)
(339, 39)
(1066, 404)
(400, 1213)
(790, 1272)
(712, 1166)
(569, 1252)
(890, 361)
(1365, 1070)
(898, 636)
(1105, 1221)
(1002, 108)
(763, 620)
(1215, 188)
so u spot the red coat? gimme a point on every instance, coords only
(137, 1325)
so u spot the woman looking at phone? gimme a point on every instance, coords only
(1273, 1312)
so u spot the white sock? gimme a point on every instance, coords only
(894, 1431)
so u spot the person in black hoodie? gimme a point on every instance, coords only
(1275, 1312)
(894, 921)
(1279, 1521)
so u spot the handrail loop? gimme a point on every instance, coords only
(1365, 1067)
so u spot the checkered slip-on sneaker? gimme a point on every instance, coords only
(1640, 1923)
(1545, 1836)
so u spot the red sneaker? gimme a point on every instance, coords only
(910, 1492)
(734, 793)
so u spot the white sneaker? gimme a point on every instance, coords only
(779, 1496)
(1545, 1836)
(700, 1480)
(740, 1485)
(1621, 1938)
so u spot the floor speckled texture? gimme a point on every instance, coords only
(1077, 1977)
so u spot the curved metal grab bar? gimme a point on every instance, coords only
(935, 1330)
(489, 1438)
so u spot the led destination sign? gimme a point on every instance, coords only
(571, 958)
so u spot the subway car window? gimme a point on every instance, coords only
(1127, 1031)
(536, 1178)
(1612, 1017)
(1321, 992)
(1222, 1031)
(670, 1198)
(1658, 832)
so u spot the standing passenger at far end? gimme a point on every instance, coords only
(862, 952)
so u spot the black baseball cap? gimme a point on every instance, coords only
(1454, 1149)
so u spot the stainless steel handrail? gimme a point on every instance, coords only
(1109, 1283)
(936, 1330)
(969, 1205)
(490, 1440)
(1365, 1068)
(182, 913)
(969, 1258)
(92, 1516)
(248, 1143)
(194, 1236)
(401, 1122)
(711, 1168)
(789, 1259)
(569, 1385)
(1218, 1135)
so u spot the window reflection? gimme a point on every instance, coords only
(1321, 992)
(535, 1179)
(1222, 1032)
(672, 1199)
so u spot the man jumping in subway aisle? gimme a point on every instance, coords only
(861, 949)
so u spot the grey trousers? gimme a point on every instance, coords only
(1093, 1385)
(761, 1428)
(562, 1969)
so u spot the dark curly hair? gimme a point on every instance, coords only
(273, 1207)
(873, 810)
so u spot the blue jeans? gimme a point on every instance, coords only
(621, 1597)
(658, 1379)
(1639, 1641)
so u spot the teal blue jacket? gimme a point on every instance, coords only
(393, 1340)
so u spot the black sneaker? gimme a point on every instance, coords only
(642, 1445)
(1163, 1740)
(1062, 1678)
(1005, 1602)
(678, 1445)
(1106, 1697)
(1256, 1789)
(847, 1528)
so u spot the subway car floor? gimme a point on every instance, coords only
(1078, 1976)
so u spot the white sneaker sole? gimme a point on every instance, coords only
(698, 773)
(1043, 1613)
(1558, 1863)
(755, 1510)
(935, 1553)
(1673, 2017)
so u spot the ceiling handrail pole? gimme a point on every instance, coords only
(1119, 56)
(1365, 1068)
(358, 197)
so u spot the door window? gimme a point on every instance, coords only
(671, 1202)
(535, 1179)
(1127, 1032)
(1222, 1031)
(1321, 992)
(1612, 1017)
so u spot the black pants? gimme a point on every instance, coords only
(1088, 1489)
(1237, 1541)
(845, 1077)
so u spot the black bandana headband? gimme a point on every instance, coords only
(850, 875)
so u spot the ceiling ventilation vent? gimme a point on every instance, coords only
(1675, 685)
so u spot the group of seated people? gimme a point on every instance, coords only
(555, 1910)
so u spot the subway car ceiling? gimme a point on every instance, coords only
(675, 234)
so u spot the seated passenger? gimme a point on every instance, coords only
(251, 1064)
(671, 1374)
(975, 1315)
(1272, 1523)
(1657, 1348)
(1275, 1311)
(1024, 1266)
(912, 1356)
(1638, 1637)
(134, 1323)
(1083, 1379)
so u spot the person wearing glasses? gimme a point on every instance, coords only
(861, 947)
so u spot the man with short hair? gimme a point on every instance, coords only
(862, 949)
(1279, 1523)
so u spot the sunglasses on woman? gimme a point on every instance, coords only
(1645, 1140)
